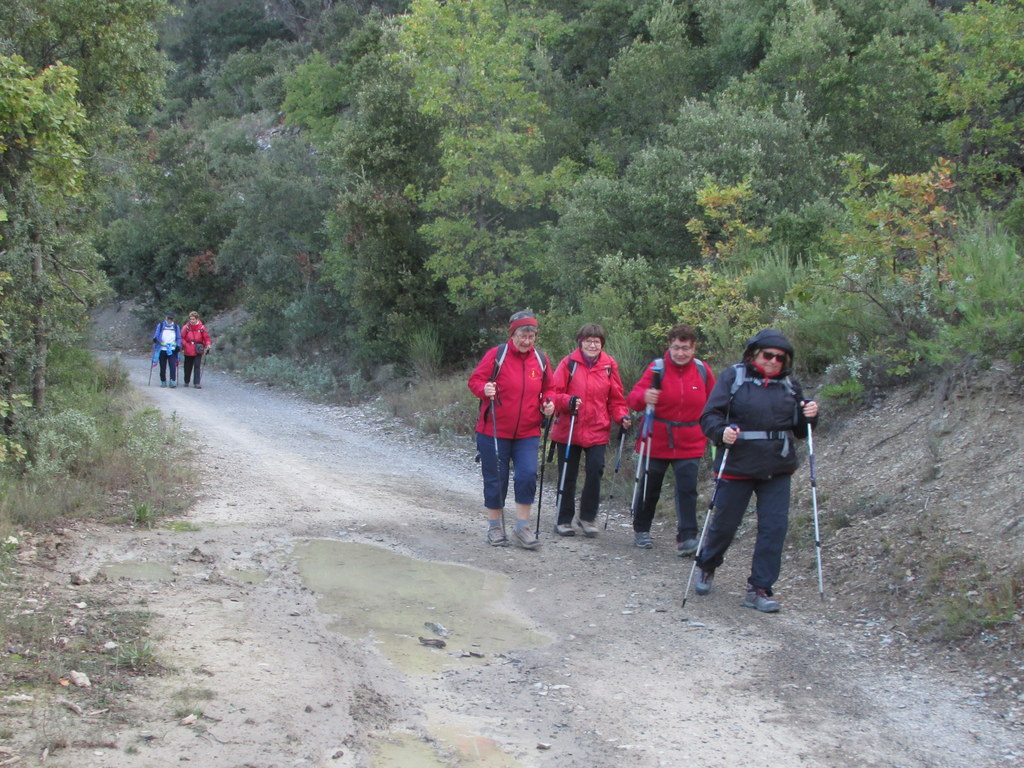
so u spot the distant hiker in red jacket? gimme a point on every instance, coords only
(676, 440)
(513, 382)
(586, 383)
(196, 342)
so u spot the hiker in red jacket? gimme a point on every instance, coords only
(588, 399)
(196, 343)
(513, 383)
(676, 437)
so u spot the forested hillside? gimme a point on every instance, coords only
(386, 182)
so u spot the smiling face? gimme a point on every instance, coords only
(591, 347)
(681, 351)
(523, 338)
(770, 360)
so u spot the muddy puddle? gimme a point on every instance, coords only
(138, 570)
(408, 609)
(466, 749)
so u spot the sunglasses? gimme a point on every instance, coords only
(769, 356)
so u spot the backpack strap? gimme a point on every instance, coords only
(702, 369)
(500, 359)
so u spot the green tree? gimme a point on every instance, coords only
(470, 70)
(865, 83)
(981, 74)
(645, 213)
(108, 46)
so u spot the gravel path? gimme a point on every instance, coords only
(623, 677)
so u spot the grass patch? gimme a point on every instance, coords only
(440, 406)
(97, 453)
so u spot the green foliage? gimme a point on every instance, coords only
(40, 118)
(469, 69)
(981, 84)
(984, 298)
(628, 298)
(718, 307)
(93, 453)
(315, 380)
(441, 406)
(59, 440)
(860, 77)
(425, 352)
(846, 393)
(777, 156)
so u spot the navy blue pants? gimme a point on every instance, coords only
(168, 362)
(522, 455)
(772, 524)
(590, 497)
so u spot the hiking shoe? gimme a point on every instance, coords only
(496, 537)
(525, 538)
(163, 383)
(704, 579)
(758, 599)
(643, 539)
(185, 384)
(588, 528)
(686, 548)
(173, 383)
(197, 386)
(564, 530)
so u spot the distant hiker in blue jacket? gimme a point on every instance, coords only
(166, 345)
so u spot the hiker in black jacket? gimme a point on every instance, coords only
(755, 411)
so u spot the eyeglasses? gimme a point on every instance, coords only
(591, 342)
(769, 356)
(680, 347)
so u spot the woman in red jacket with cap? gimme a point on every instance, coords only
(513, 382)
(588, 399)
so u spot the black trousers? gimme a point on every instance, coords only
(590, 498)
(193, 368)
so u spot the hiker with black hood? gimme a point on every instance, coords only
(756, 410)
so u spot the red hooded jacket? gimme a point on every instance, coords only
(192, 333)
(600, 390)
(677, 433)
(523, 385)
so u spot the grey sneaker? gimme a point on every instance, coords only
(588, 528)
(525, 538)
(643, 539)
(496, 537)
(758, 599)
(564, 530)
(686, 548)
(704, 579)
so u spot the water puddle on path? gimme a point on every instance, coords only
(405, 751)
(138, 570)
(390, 598)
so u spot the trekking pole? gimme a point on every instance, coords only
(814, 504)
(634, 499)
(497, 462)
(574, 404)
(658, 365)
(707, 519)
(540, 492)
(618, 463)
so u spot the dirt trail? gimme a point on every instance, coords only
(628, 679)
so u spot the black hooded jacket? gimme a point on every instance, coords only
(768, 410)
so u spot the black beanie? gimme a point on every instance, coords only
(769, 338)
